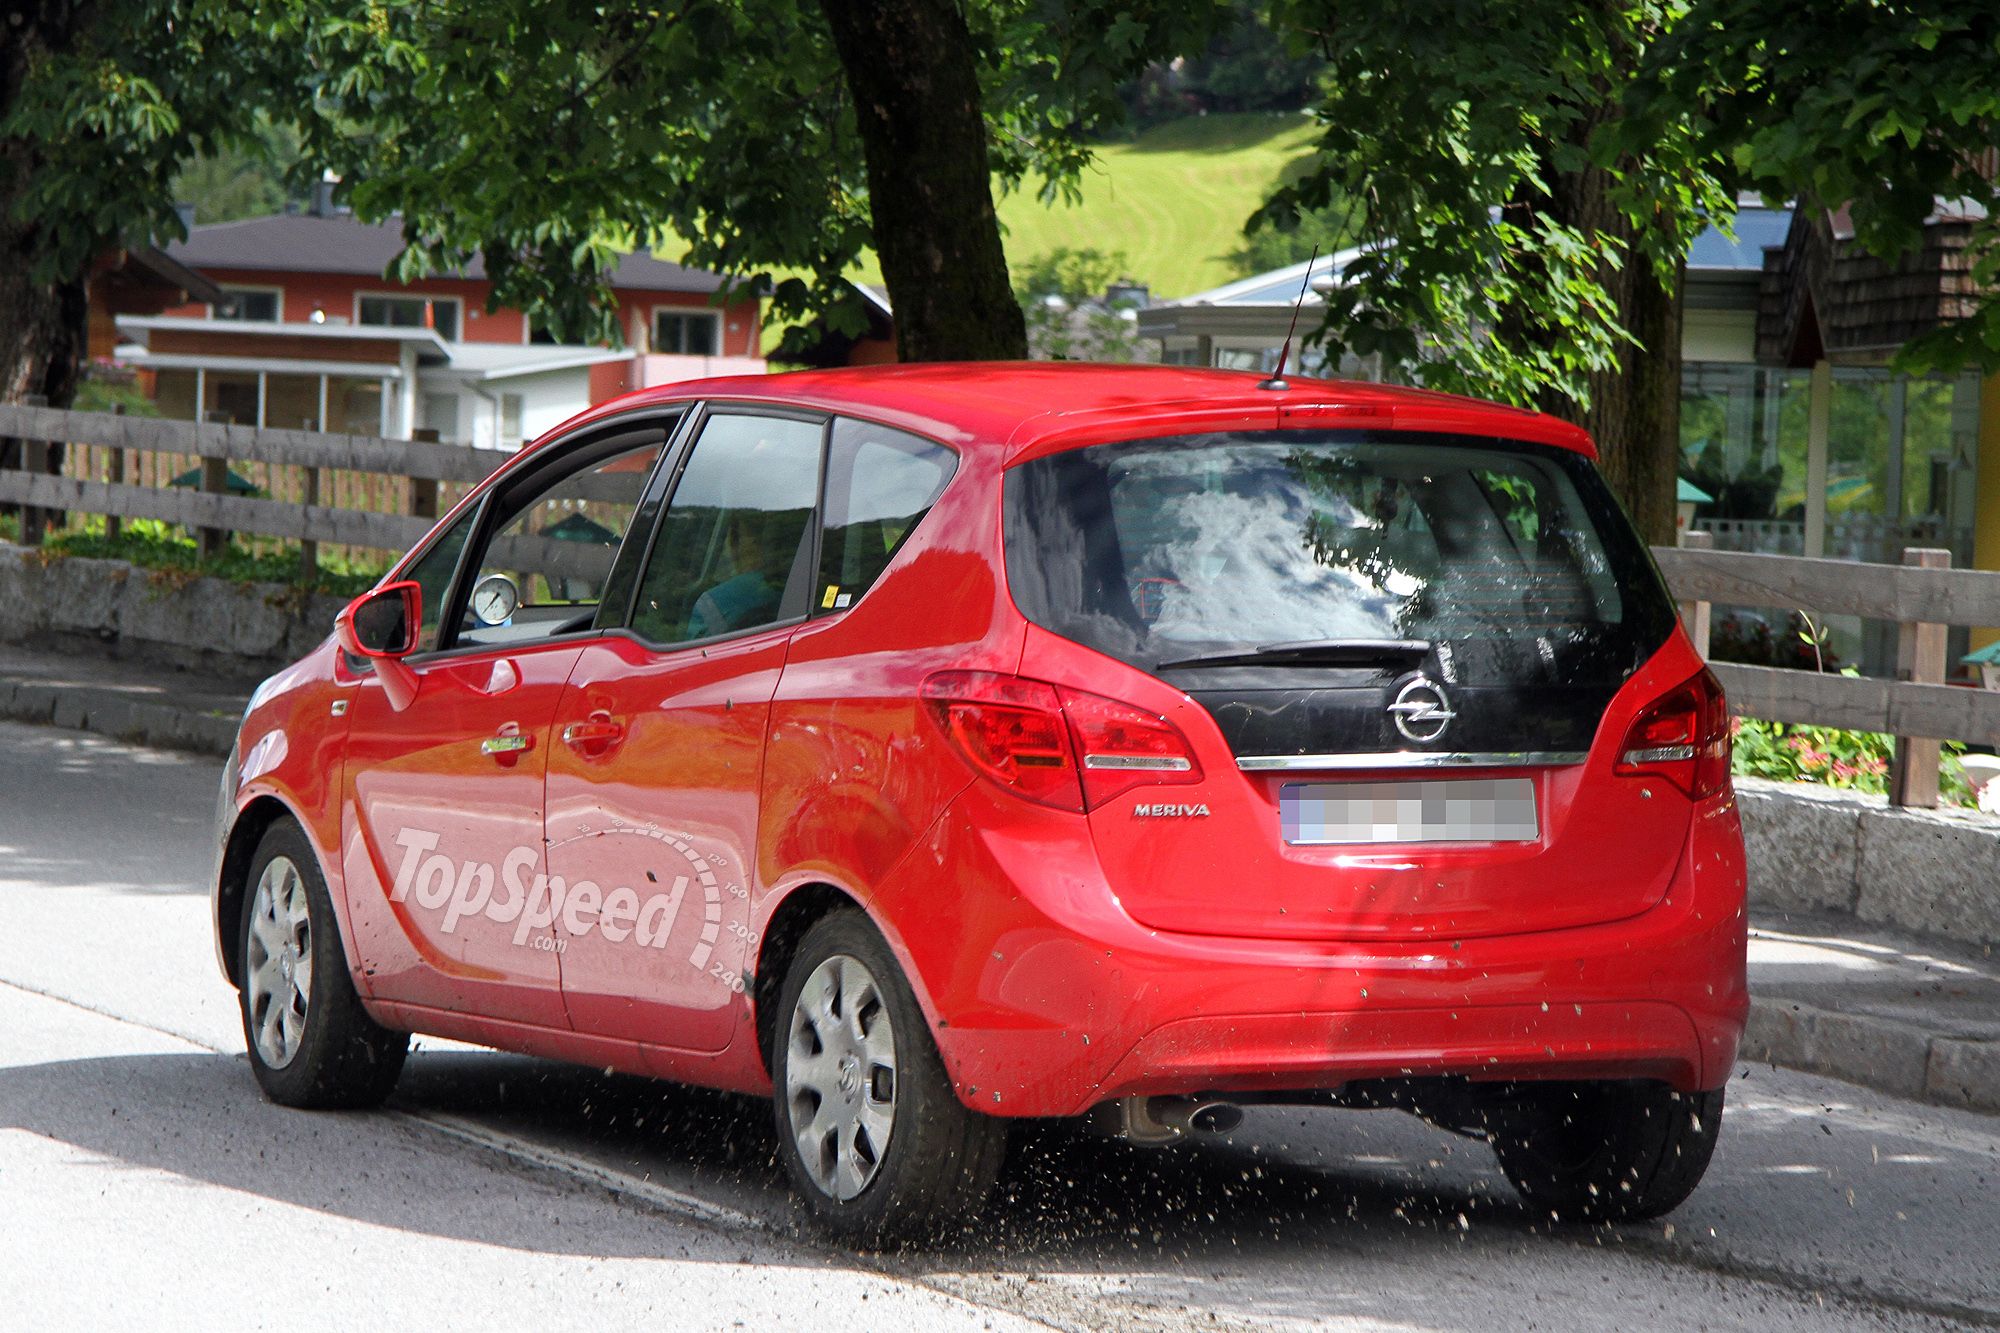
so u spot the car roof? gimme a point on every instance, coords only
(1031, 408)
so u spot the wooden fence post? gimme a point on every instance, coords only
(1695, 615)
(308, 549)
(211, 542)
(424, 490)
(34, 460)
(115, 474)
(1920, 653)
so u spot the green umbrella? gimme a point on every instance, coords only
(231, 483)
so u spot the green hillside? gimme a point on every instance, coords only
(1173, 200)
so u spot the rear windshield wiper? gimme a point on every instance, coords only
(1313, 652)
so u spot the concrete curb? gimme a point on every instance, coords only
(109, 712)
(1880, 1053)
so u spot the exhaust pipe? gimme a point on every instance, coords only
(1156, 1122)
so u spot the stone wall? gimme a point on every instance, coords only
(1815, 849)
(230, 630)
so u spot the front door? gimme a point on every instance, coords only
(654, 773)
(443, 851)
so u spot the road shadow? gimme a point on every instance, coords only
(201, 1117)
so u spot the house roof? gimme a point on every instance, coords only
(1280, 286)
(169, 272)
(225, 343)
(307, 243)
(1757, 228)
(499, 361)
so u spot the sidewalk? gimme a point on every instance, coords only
(148, 705)
(1915, 1016)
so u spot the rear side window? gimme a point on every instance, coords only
(735, 535)
(1509, 555)
(879, 485)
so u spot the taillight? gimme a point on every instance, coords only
(1027, 736)
(1682, 736)
(1010, 730)
(1125, 747)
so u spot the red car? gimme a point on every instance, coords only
(931, 746)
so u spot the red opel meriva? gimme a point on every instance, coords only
(935, 745)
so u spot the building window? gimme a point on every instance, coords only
(687, 332)
(510, 419)
(249, 303)
(436, 313)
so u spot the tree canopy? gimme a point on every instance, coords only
(1527, 177)
(775, 141)
(1884, 108)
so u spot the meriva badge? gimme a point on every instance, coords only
(1170, 812)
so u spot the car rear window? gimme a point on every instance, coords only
(1514, 557)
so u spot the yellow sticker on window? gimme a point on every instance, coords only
(832, 591)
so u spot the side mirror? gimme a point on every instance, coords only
(382, 626)
(383, 623)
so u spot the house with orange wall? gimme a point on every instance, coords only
(308, 333)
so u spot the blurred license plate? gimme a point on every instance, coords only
(1441, 810)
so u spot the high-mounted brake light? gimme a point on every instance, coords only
(1682, 736)
(1027, 736)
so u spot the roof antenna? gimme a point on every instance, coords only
(1276, 384)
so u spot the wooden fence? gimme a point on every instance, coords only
(1923, 595)
(354, 491)
(399, 495)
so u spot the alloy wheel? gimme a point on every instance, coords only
(278, 971)
(840, 1076)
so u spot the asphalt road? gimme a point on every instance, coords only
(143, 1180)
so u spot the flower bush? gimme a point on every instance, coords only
(1851, 760)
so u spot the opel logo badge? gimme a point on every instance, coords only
(1421, 711)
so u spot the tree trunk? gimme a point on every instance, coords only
(42, 324)
(42, 331)
(911, 71)
(1634, 412)
(1635, 407)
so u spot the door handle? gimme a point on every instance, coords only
(507, 744)
(593, 736)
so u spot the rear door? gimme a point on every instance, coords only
(654, 775)
(1395, 651)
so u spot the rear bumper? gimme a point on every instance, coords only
(1046, 998)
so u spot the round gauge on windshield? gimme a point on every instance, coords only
(494, 599)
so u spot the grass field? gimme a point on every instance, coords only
(1173, 201)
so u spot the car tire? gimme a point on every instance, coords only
(311, 1043)
(1605, 1152)
(845, 1016)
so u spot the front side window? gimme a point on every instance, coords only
(433, 571)
(436, 313)
(543, 570)
(879, 485)
(735, 533)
